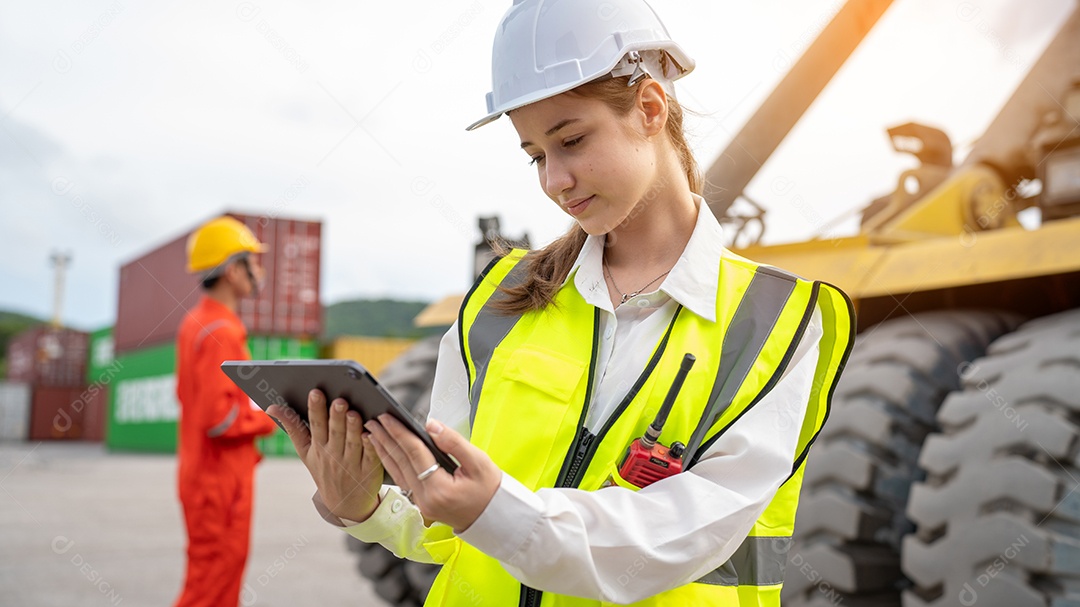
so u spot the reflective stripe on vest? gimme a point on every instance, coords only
(534, 372)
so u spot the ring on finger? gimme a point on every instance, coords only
(408, 495)
(426, 473)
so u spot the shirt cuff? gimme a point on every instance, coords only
(508, 521)
(382, 523)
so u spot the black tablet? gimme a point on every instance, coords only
(287, 382)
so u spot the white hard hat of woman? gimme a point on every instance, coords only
(589, 87)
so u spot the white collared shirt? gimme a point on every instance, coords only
(682, 528)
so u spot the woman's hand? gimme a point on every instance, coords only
(337, 453)
(455, 499)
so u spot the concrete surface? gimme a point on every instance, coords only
(79, 526)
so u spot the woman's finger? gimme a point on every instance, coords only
(335, 431)
(316, 407)
(453, 443)
(354, 446)
(391, 450)
(294, 427)
(369, 459)
(414, 449)
(388, 462)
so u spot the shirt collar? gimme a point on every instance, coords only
(693, 279)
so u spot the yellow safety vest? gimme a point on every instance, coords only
(531, 377)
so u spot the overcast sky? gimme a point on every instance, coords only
(123, 124)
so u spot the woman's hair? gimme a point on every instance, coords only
(548, 267)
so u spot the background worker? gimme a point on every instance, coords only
(218, 423)
(561, 357)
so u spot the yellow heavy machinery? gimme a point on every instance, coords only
(946, 472)
(949, 468)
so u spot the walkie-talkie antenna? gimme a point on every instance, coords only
(654, 430)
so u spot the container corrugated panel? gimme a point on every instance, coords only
(101, 369)
(281, 348)
(289, 302)
(142, 392)
(143, 406)
(96, 403)
(156, 290)
(48, 356)
(54, 414)
(14, 411)
(372, 352)
(155, 293)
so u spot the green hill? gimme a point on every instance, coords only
(372, 318)
(375, 318)
(11, 324)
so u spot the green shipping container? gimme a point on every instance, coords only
(280, 348)
(101, 364)
(145, 409)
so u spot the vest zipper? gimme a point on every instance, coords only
(585, 442)
(531, 597)
(590, 442)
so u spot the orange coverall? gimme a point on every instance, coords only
(217, 454)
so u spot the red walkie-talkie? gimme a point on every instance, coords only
(646, 461)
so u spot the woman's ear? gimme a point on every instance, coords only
(653, 107)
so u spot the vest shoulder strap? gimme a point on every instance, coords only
(481, 327)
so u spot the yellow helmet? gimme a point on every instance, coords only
(218, 240)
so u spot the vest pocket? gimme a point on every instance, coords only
(547, 371)
(528, 412)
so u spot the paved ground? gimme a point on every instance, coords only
(79, 527)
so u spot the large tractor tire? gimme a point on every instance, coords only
(409, 379)
(851, 518)
(999, 513)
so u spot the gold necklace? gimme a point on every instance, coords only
(624, 297)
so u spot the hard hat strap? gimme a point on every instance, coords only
(241, 257)
(251, 275)
(641, 64)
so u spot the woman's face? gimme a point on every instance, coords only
(594, 164)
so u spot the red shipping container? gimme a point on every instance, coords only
(55, 414)
(48, 356)
(156, 290)
(95, 402)
(288, 304)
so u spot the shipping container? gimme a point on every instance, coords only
(142, 393)
(289, 303)
(57, 413)
(48, 356)
(101, 355)
(95, 415)
(143, 406)
(101, 369)
(156, 290)
(14, 411)
(372, 352)
(281, 348)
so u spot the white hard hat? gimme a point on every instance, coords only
(546, 47)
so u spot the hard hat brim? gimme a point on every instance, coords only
(684, 62)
